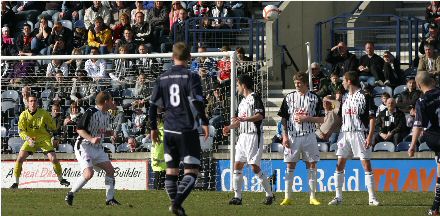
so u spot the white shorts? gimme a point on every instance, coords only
(306, 145)
(351, 144)
(249, 148)
(89, 155)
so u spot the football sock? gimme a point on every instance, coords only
(58, 170)
(312, 182)
(238, 183)
(339, 177)
(369, 182)
(171, 186)
(109, 187)
(79, 184)
(185, 188)
(288, 182)
(436, 203)
(265, 183)
(17, 171)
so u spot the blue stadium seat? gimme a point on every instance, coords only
(323, 146)
(65, 148)
(15, 143)
(399, 89)
(67, 23)
(379, 90)
(377, 101)
(424, 147)
(10, 95)
(109, 147)
(384, 146)
(333, 147)
(124, 147)
(276, 147)
(403, 146)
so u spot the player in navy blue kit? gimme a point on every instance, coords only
(428, 117)
(250, 142)
(179, 92)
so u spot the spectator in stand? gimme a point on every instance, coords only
(333, 88)
(174, 13)
(118, 8)
(318, 77)
(410, 118)
(121, 75)
(158, 19)
(41, 39)
(69, 124)
(79, 39)
(95, 68)
(118, 29)
(54, 66)
(241, 56)
(22, 71)
(329, 130)
(58, 48)
(136, 127)
(224, 68)
(141, 89)
(407, 99)
(204, 65)
(385, 96)
(25, 38)
(391, 123)
(8, 16)
(220, 11)
(177, 33)
(72, 10)
(391, 70)
(100, 36)
(59, 88)
(58, 118)
(430, 62)
(83, 90)
(60, 32)
(6, 36)
(28, 10)
(142, 30)
(146, 64)
(341, 60)
(432, 39)
(52, 9)
(77, 64)
(237, 8)
(25, 93)
(139, 8)
(96, 10)
(432, 14)
(128, 42)
(371, 66)
(201, 9)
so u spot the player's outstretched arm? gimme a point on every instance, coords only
(415, 135)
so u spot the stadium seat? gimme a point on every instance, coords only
(13, 131)
(15, 143)
(206, 145)
(4, 132)
(323, 146)
(410, 72)
(424, 147)
(399, 89)
(167, 66)
(10, 95)
(46, 97)
(403, 146)
(408, 138)
(377, 101)
(6, 105)
(127, 93)
(333, 147)
(65, 148)
(379, 90)
(124, 147)
(384, 146)
(67, 23)
(276, 147)
(108, 147)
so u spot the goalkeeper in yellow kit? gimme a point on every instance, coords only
(34, 125)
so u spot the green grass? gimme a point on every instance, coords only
(91, 202)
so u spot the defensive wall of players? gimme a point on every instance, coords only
(393, 172)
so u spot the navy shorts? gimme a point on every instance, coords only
(182, 146)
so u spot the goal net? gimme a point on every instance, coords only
(72, 82)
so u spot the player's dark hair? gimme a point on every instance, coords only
(302, 77)
(181, 51)
(31, 94)
(386, 94)
(353, 77)
(247, 81)
(102, 97)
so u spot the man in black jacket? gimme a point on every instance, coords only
(341, 60)
(371, 66)
(391, 123)
(408, 98)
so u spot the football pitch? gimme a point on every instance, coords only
(91, 202)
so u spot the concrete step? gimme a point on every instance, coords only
(271, 102)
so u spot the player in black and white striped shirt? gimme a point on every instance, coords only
(249, 147)
(93, 126)
(300, 110)
(358, 119)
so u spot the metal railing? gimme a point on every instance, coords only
(400, 35)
